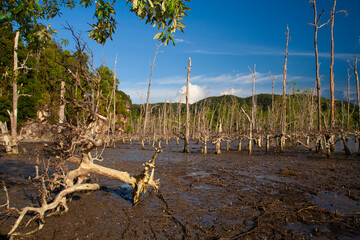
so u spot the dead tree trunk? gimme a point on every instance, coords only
(354, 68)
(317, 66)
(114, 99)
(15, 98)
(62, 102)
(253, 110)
(332, 87)
(283, 111)
(250, 132)
(348, 100)
(146, 119)
(332, 97)
(187, 123)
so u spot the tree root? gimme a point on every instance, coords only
(56, 204)
(72, 182)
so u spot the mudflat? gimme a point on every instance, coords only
(297, 194)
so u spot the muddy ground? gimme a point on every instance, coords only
(294, 195)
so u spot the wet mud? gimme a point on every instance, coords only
(297, 194)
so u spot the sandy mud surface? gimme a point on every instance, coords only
(294, 195)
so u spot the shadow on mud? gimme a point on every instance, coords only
(124, 192)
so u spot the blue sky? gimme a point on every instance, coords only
(225, 38)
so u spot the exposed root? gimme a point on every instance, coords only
(40, 212)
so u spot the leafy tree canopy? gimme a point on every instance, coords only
(163, 14)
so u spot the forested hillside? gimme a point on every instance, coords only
(39, 81)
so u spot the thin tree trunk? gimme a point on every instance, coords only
(187, 124)
(114, 96)
(146, 119)
(272, 119)
(317, 66)
(62, 102)
(332, 96)
(348, 100)
(15, 98)
(283, 112)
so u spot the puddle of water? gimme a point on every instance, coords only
(335, 202)
(304, 230)
(198, 174)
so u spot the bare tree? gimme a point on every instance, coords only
(348, 100)
(354, 68)
(114, 98)
(62, 102)
(317, 66)
(187, 121)
(147, 112)
(283, 110)
(332, 97)
(14, 141)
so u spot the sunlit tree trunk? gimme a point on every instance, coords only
(332, 97)
(114, 98)
(317, 66)
(283, 111)
(62, 102)
(348, 101)
(15, 98)
(187, 123)
(147, 110)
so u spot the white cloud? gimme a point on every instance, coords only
(180, 40)
(196, 93)
(274, 52)
(232, 91)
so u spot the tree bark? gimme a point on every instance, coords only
(187, 123)
(146, 119)
(15, 98)
(332, 96)
(62, 102)
(317, 66)
(283, 112)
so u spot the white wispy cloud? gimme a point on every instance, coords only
(232, 91)
(180, 40)
(274, 52)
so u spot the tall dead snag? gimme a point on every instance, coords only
(250, 131)
(348, 100)
(354, 68)
(317, 66)
(187, 121)
(218, 138)
(114, 98)
(147, 110)
(253, 101)
(332, 97)
(178, 119)
(13, 115)
(62, 102)
(283, 109)
(253, 109)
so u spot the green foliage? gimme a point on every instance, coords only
(26, 108)
(163, 14)
(5, 104)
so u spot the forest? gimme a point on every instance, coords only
(68, 114)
